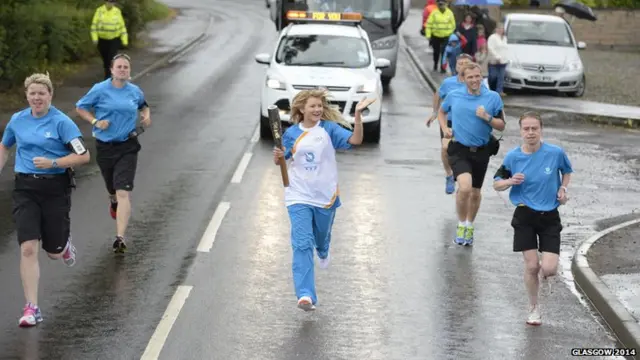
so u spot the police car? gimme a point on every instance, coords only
(323, 50)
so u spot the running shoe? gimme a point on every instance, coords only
(460, 233)
(306, 304)
(69, 256)
(534, 318)
(468, 236)
(324, 263)
(119, 246)
(450, 186)
(31, 316)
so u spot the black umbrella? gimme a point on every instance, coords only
(579, 10)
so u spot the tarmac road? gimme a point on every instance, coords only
(397, 288)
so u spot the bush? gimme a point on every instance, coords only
(41, 34)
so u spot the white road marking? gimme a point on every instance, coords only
(242, 167)
(159, 337)
(209, 236)
(256, 135)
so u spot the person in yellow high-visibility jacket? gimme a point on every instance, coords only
(109, 33)
(439, 26)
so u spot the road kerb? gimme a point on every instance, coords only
(173, 53)
(618, 318)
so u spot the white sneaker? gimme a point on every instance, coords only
(324, 263)
(306, 304)
(535, 318)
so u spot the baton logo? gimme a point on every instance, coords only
(547, 170)
(309, 157)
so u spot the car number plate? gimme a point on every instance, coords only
(541, 78)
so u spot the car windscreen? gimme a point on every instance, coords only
(373, 9)
(539, 33)
(323, 50)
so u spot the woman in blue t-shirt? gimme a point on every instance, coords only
(48, 143)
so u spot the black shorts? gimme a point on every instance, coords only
(448, 125)
(463, 159)
(536, 230)
(41, 207)
(118, 163)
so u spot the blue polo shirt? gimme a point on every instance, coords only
(47, 136)
(469, 129)
(542, 171)
(450, 84)
(118, 105)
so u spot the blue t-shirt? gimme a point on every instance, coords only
(118, 105)
(542, 171)
(48, 136)
(450, 84)
(469, 129)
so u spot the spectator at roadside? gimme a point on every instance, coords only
(428, 9)
(482, 54)
(468, 29)
(498, 59)
(440, 25)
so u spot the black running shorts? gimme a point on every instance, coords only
(536, 230)
(118, 163)
(41, 207)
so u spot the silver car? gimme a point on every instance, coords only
(543, 54)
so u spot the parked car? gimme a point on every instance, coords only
(543, 54)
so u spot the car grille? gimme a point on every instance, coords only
(547, 68)
(330, 88)
(339, 104)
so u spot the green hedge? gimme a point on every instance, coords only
(45, 34)
(595, 4)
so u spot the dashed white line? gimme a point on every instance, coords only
(242, 167)
(159, 337)
(256, 135)
(209, 236)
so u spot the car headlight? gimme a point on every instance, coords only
(384, 43)
(276, 84)
(368, 87)
(514, 64)
(572, 66)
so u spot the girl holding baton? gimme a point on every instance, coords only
(312, 197)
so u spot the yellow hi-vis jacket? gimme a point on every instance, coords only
(109, 24)
(440, 24)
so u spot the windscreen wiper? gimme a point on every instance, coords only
(543, 41)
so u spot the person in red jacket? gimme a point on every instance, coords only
(428, 9)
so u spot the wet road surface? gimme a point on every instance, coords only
(397, 288)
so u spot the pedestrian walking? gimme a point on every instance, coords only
(108, 33)
(48, 143)
(440, 25)
(313, 196)
(538, 174)
(498, 59)
(449, 84)
(117, 104)
(475, 111)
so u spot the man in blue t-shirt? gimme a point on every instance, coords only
(538, 174)
(477, 111)
(449, 84)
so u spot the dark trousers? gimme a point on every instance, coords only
(438, 44)
(108, 49)
(496, 77)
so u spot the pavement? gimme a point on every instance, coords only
(208, 275)
(556, 107)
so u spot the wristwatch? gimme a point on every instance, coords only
(565, 188)
(94, 121)
(54, 164)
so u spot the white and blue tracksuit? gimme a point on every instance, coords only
(312, 197)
